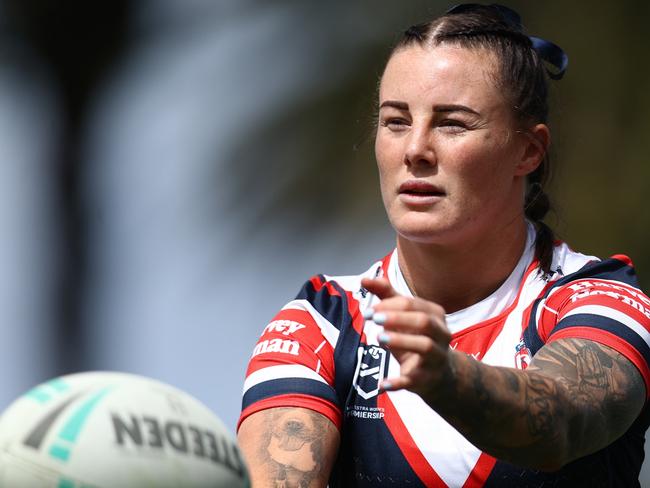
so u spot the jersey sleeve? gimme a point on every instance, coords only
(292, 364)
(606, 308)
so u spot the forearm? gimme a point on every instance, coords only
(520, 417)
(574, 399)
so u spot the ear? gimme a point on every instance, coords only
(537, 139)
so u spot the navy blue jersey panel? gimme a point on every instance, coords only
(289, 386)
(531, 338)
(333, 308)
(372, 460)
(608, 269)
(607, 324)
(345, 353)
(616, 466)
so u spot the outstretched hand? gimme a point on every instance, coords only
(415, 332)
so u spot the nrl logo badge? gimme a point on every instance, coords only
(371, 369)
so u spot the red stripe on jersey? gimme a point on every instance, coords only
(353, 304)
(623, 258)
(310, 339)
(317, 282)
(610, 340)
(384, 265)
(407, 445)
(615, 295)
(547, 319)
(301, 316)
(477, 339)
(298, 400)
(321, 362)
(619, 297)
(547, 315)
(481, 471)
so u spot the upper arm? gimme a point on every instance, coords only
(603, 389)
(288, 447)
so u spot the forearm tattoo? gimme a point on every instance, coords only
(602, 387)
(576, 397)
(293, 447)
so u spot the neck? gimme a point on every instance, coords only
(459, 275)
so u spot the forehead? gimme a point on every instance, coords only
(442, 74)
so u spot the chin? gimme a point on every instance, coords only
(423, 229)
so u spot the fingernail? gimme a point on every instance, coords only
(386, 386)
(368, 313)
(383, 338)
(379, 318)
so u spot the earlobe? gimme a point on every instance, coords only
(538, 138)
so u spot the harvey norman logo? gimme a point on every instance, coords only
(371, 369)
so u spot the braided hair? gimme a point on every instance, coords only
(522, 78)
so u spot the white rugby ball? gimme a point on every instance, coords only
(109, 430)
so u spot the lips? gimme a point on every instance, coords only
(420, 188)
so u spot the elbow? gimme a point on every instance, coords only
(549, 456)
(556, 455)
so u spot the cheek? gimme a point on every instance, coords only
(479, 177)
(386, 158)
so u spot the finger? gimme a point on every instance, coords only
(399, 344)
(396, 383)
(406, 322)
(416, 323)
(380, 309)
(396, 302)
(380, 287)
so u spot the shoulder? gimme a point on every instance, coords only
(591, 297)
(575, 273)
(326, 294)
(598, 300)
(571, 265)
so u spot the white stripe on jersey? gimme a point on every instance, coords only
(281, 371)
(503, 349)
(330, 332)
(617, 315)
(568, 260)
(450, 455)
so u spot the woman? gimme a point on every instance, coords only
(480, 352)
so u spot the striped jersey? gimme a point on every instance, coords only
(319, 353)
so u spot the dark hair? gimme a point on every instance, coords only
(522, 77)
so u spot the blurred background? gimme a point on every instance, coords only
(172, 171)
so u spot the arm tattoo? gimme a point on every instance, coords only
(576, 397)
(541, 416)
(603, 387)
(293, 447)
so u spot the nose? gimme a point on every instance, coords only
(419, 147)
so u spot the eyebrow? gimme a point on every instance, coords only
(454, 108)
(436, 108)
(395, 104)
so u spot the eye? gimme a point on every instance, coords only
(395, 124)
(453, 125)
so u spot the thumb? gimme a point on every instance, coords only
(380, 287)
